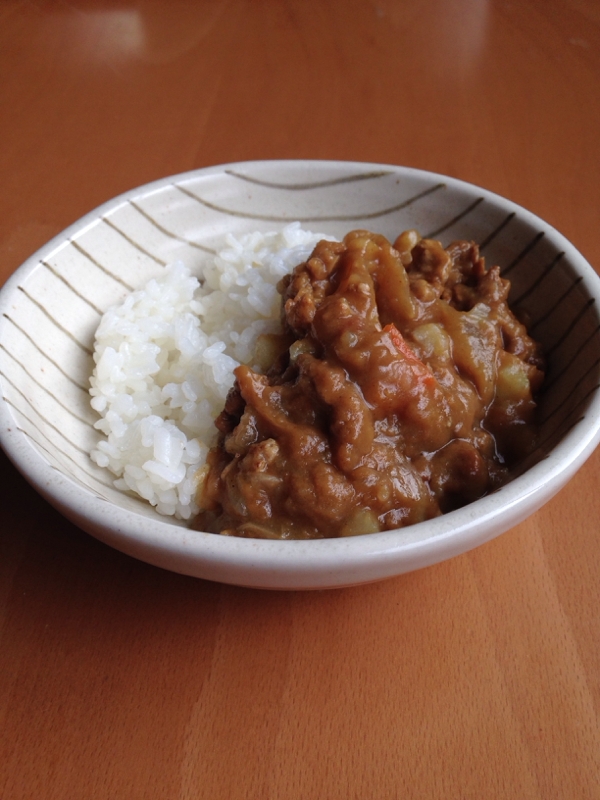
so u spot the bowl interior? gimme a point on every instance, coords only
(52, 305)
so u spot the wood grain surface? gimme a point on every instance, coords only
(477, 678)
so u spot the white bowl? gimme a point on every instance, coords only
(51, 306)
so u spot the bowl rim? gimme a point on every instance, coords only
(300, 564)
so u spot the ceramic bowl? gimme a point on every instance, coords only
(51, 307)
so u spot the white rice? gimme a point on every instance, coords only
(165, 359)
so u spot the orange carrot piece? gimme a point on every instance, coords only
(401, 345)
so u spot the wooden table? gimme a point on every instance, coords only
(477, 678)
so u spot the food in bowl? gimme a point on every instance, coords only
(51, 307)
(401, 386)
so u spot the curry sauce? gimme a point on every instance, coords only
(402, 387)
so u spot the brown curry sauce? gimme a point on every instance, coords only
(404, 389)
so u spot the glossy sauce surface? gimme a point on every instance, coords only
(407, 391)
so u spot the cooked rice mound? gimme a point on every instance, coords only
(165, 359)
